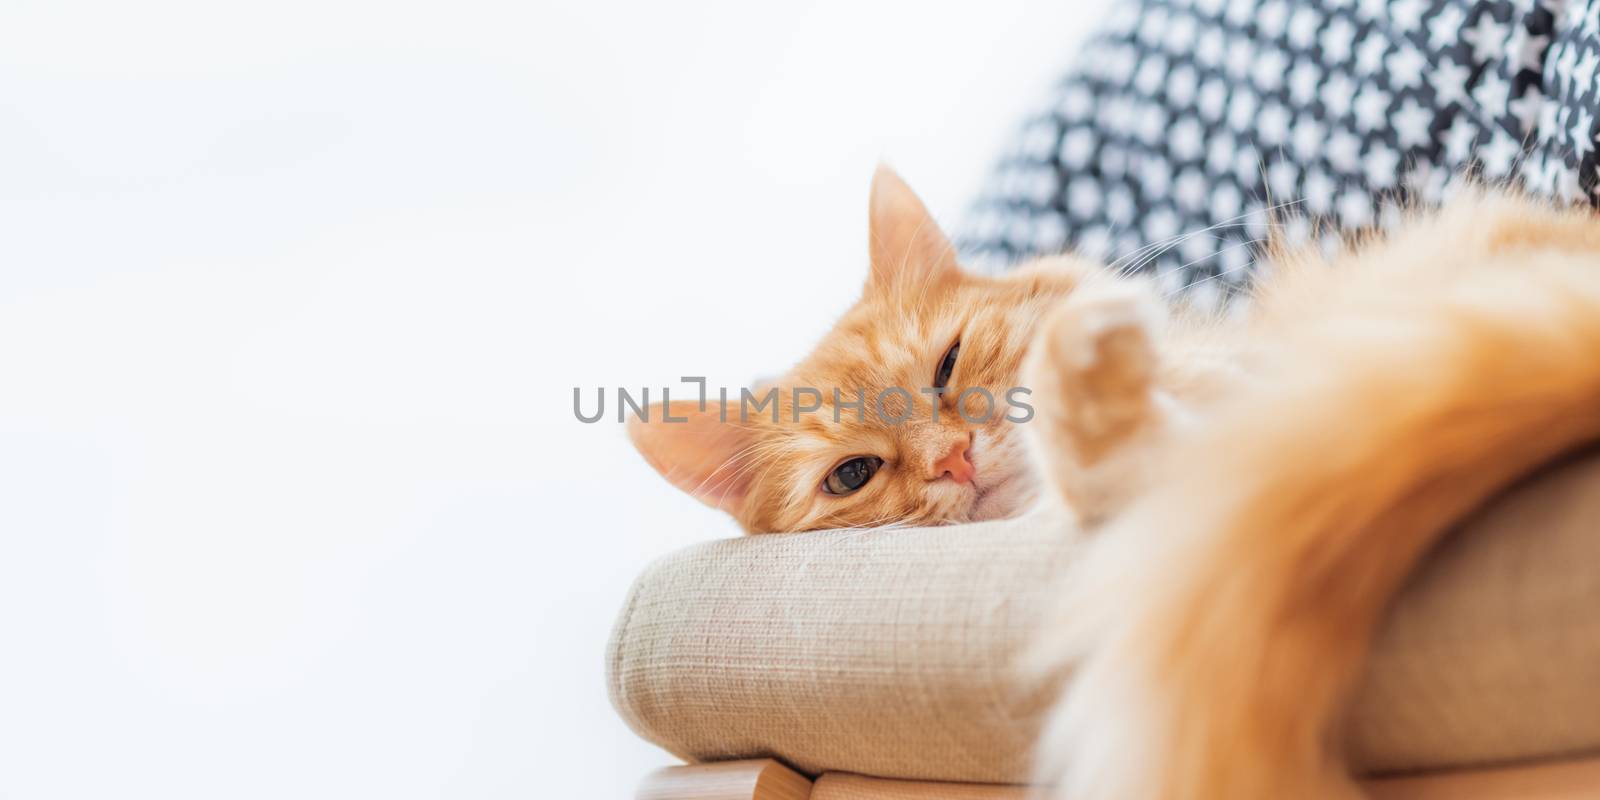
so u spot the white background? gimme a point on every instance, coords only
(293, 296)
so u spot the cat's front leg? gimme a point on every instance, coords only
(1093, 370)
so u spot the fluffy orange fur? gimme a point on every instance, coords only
(1217, 622)
(1257, 486)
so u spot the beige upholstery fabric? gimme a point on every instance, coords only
(888, 653)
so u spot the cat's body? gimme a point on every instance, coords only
(1216, 624)
(1256, 486)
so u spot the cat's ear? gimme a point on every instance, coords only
(908, 249)
(697, 451)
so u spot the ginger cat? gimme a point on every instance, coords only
(1255, 488)
(921, 324)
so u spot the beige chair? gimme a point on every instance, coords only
(878, 665)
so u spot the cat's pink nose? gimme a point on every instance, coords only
(957, 464)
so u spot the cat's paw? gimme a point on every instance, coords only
(1093, 370)
(1103, 340)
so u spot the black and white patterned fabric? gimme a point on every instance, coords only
(1188, 122)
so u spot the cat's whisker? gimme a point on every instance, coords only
(1230, 271)
(1116, 265)
(889, 521)
(1144, 256)
(1137, 260)
(722, 476)
(1238, 220)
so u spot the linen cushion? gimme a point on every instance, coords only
(890, 653)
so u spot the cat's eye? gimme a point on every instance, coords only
(851, 475)
(941, 377)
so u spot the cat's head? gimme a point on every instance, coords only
(921, 323)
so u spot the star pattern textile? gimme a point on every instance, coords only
(1189, 126)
